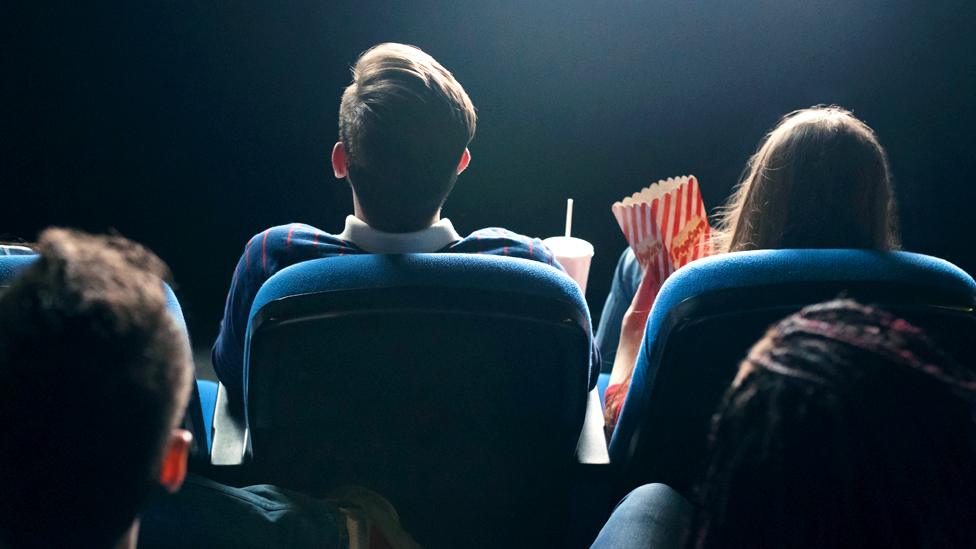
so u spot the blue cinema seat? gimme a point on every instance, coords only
(710, 312)
(10, 265)
(198, 418)
(207, 391)
(456, 385)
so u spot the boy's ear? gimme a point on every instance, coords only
(465, 160)
(175, 454)
(339, 164)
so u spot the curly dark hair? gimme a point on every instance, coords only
(847, 427)
(96, 373)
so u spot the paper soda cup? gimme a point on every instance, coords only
(574, 254)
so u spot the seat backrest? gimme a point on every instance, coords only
(453, 384)
(194, 422)
(709, 313)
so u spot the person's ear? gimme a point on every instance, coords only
(340, 167)
(465, 160)
(175, 454)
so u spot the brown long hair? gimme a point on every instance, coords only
(820, 179)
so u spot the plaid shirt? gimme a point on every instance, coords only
(278, 247)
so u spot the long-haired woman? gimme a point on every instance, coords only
(819, 179)
(845, 427)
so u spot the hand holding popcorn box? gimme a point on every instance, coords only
(667, 227)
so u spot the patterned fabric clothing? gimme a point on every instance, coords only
(278, 247)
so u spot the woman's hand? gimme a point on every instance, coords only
(631, 335)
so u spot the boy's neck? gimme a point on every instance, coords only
(357, 211)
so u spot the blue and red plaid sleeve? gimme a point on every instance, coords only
(497, 241)
(264, 255)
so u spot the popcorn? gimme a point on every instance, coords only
(666, 225)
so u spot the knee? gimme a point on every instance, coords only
(653, 491)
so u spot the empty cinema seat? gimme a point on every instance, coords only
(709, 313)
(456, 385)
(197, 419)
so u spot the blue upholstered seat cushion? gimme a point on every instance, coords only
(771, 267)
(768, 269)
(478, 272)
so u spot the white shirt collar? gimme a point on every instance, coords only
(431, 239)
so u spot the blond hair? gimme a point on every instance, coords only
(820, 179)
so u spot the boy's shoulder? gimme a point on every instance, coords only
(498, 232)
(281, 233)
(282, 245)
(491, 236)
(503, 242)
(297, 236)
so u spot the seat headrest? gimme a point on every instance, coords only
(760, 268)
(478, 272)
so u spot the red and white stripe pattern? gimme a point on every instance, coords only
(666, 225)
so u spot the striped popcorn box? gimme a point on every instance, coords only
(666, 225)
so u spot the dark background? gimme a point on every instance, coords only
(190, 126)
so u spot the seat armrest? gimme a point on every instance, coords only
(592, 446)
(229, 432)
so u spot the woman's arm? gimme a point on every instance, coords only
(631, 336)
(626, 278)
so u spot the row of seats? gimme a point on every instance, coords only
(459, 386)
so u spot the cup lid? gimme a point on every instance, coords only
(569, 246)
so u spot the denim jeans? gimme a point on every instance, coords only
(652, 516)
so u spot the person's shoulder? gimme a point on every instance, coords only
(282, 245)
(499, 241)
(498, 233)
(282, 232)
(296, 236)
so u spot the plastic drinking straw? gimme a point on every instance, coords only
(569, 216)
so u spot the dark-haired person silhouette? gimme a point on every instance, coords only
(845, 427)
(96, 380)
